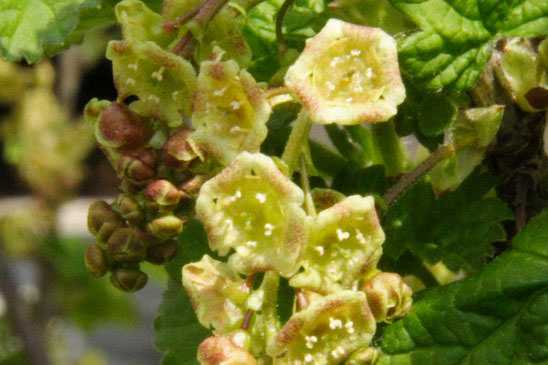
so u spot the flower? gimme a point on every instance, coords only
(348, 74)
(253, 208)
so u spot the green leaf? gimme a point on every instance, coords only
(457, 228)
(178, 332)
(498, 316)
(457, 37)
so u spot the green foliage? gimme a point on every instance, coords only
(457, 228)
(497, 316)
(457, 37)
(178, 333)
(30, 29)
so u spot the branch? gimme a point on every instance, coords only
(32, 338)
(408, 180)
(279, 24)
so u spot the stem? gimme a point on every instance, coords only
(309, 203)
(31, 337)
(247, 319)
(170, 26)
(408, 180)
(275, 91)
(297, 139)
(279, 23)
(391, 148)
(70, 71)
(208, 10)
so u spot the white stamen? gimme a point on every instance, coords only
(349, 100)
(242, 250)
(236, 129)
(369, 72)
(132, 66)
(335, 323)
(308, 358)
(342, 235)
(235, 105)
(360, 237)
(174, 95)
(355, 52)
(158, 74)
(220, 91)
(229, 224)
(154, 98)
(251, 243)
(130, 81)
(260, 197)
(330, 85)
(268, 229)
(319, 250)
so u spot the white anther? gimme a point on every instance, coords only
(220, 91)
(236, 105)
(260, 197)
(369, 72)
(308, 358)
(229, 224)
(342, 235)
(349, 324)
(158, 75)
(236, 129)
(355, 52)
(251, 243)
(154, 98)
(360, 237)
(132, 66)
(242, 250)
(330, 85)
(174, 95)
(130, 81)
(268, 229)
(335, 323)
(349, 100)
(319, 250)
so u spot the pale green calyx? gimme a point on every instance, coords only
(389, 297)
(326, 332)
(345, 244)
(348, 74)
(217, 293)
(229, 111)
(253, 208)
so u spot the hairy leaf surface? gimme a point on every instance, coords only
(457, 37)
(499, 316)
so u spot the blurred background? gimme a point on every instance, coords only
(50, 172)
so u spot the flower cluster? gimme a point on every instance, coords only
(189, 144)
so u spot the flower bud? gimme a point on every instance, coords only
(138, 166)
(180, 149)
(220, 350)
(216, 292)
(96, 261)
(123, 246)
(166, 227)
(129, 209)
(388, 296)
(348, 74)
(163, 193)
(366, 356)
(325, 198)
(193, 185)
(128, 280)
(161, 254)
(102, 220)
(119, 127)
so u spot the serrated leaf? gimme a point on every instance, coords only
(178, 332)
(498, 316)
(456, 229)
(457, 37)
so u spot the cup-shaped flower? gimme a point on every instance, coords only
(229, 111)
(253, 208)
(388, 296)
(221, 350)
(163, 81)
(345, 244)
(326, 332)
(348, 74)
(217, 294)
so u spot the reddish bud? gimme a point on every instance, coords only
(193, 185)
(161, 254)
(166, 227)
(179, 149)
(163, 193)
(129, 209)
(102, 220)
(119, 126)
(138, 166)
(123, 246)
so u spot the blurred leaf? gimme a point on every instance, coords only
(178, 332)
(85, 300)
(456, 228)
(498, 316)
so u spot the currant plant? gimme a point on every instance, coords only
(283, 250)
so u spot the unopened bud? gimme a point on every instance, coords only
(219, 350)
(163, 193)
(161, 254)
(366, 356)
(128, 280)
(192, 186)
(96, 261)
(119, 127)
(102, 220)
(179, 149)
(388, 296)
(123, 246)
(166, 227)
(129, 209)
(138, 166)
